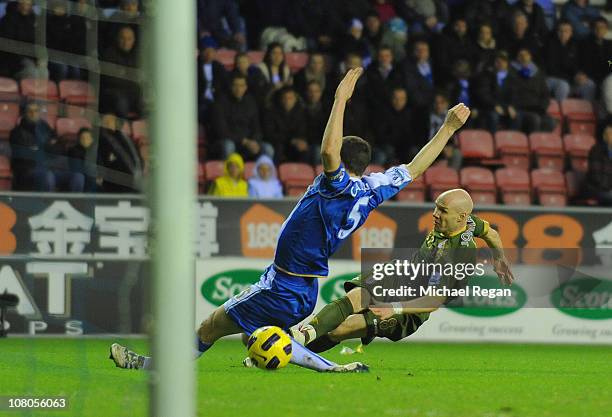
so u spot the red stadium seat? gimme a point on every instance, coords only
(439, 179)
(513, 148)
(68, 128)
(480, 182)
(578, 147)
(226, 58)
(249, 170)
(549, 185)
(373, 168)
(213, 169)
(140, 131)
(76, 92)
(9, 113)
(513, 184)
(39, 89)
(580, 116)
(548, 149)
(318, 169)
(9, 89)
(255, 57)
(554, 111)
(48, 112)
(476, 144)
(413, 192)
(296, 60)
(296, 177)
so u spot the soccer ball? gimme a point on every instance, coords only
(269, 348)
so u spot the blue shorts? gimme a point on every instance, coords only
(278, 299)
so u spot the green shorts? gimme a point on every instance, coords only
(394, 328)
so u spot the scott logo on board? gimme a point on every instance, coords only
(490, 307)
(587, 298)
(334, 289)
(224, 285)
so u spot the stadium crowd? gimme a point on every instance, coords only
(267, 71)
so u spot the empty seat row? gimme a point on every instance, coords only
(513, 148)
(69, 91)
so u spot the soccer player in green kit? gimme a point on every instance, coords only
(454, 230)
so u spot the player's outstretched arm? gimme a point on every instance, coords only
(332, 137)
(455, 118)
(501, 265)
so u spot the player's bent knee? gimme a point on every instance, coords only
(356, 295)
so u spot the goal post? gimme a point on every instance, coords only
(170, 63)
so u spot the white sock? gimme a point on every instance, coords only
(303, 357)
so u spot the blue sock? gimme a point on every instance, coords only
(201, 347)
(303, 357)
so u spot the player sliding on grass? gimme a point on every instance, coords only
(334, 206)
(452, 239)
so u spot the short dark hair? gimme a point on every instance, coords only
(355, 154)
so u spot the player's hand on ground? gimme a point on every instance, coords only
(347, 85)
(457, 116)
(501, 266)
(383, 311)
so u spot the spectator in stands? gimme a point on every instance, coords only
(60, 37)
(128, 14)
(274, 69)
(235, 123)
(519, 37)
(562, 56)
(599, 175)
(454, 44)
(462, 90)
(255, 80)
(581, 15)
(356, 114)
(82, 13)
(394, 128)
(354, 42)
(486, 48)
(212, 78)
(313, 71)
(317, 112)
(34, 148)
(285, 128)
(530, 95)
(535, 18)
(493, 12)
(595, 51)
(18, 24)
(493, 95)
(419, 80)
(451, 155)
(119, 94)
(385, 9)
(231, 183)
(119, 162)
(394, 35)
(221, 19)
(82, 159)
(264, 183)
(382, 76)
(423, 16)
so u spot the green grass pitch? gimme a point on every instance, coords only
(407, 379)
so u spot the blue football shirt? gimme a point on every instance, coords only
(333, 207)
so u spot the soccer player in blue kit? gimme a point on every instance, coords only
(334, 206)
